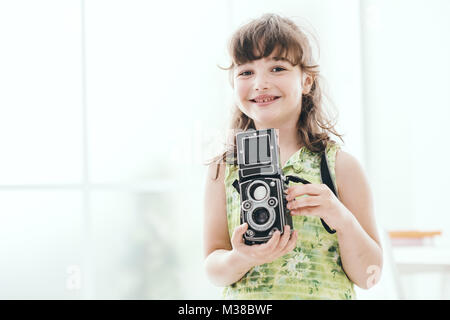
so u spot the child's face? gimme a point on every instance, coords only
(280, 81)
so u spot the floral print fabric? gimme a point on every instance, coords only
(313, 270)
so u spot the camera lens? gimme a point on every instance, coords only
(261, 218)
(258, 191)
(261, 215)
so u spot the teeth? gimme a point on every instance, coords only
(265, 100)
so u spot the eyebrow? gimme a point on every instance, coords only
(280, 58)
(272, 59)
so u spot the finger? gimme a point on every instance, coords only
(311, 201)
(285, 238)
(305, 211)
(272, 243)
(301, 189)
(292, 242)
(237, 237)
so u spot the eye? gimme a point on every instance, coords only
(279, 69)
(245, 73)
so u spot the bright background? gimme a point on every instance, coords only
(108, 110)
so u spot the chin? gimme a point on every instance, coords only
(268, 122)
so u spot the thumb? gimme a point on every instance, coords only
(238, 233)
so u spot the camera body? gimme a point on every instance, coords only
(261, 185)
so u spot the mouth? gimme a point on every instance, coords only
(264, 100)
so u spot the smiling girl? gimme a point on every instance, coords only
(276, 85)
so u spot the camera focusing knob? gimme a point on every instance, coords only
(250, 233)
(272, 202)
(246, 205)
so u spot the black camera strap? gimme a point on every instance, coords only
(236, 185)
(326, 179)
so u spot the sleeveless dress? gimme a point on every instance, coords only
(313, 270)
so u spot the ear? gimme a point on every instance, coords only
(307, 82)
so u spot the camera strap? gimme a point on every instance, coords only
(326, 179)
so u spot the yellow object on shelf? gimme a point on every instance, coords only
(413, 234)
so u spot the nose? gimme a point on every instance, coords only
(261, 82)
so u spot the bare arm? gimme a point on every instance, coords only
(221, 265)
(359, 242)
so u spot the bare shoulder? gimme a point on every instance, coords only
(216, 169)
(355, 192)
(349, 171)
(345, 161)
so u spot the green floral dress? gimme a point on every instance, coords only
(313, 270)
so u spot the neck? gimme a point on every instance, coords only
(288, 138)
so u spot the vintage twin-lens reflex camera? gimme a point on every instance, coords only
(261, 185)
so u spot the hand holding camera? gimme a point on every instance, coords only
(320, 201)
(267, 252)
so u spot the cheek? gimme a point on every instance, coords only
(240, 92)
(295, 90)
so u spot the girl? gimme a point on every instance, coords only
(276, 85)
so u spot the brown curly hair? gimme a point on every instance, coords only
(258, 39)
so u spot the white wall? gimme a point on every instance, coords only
(42, 222)
(407, 76)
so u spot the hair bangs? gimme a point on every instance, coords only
(264, 39)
